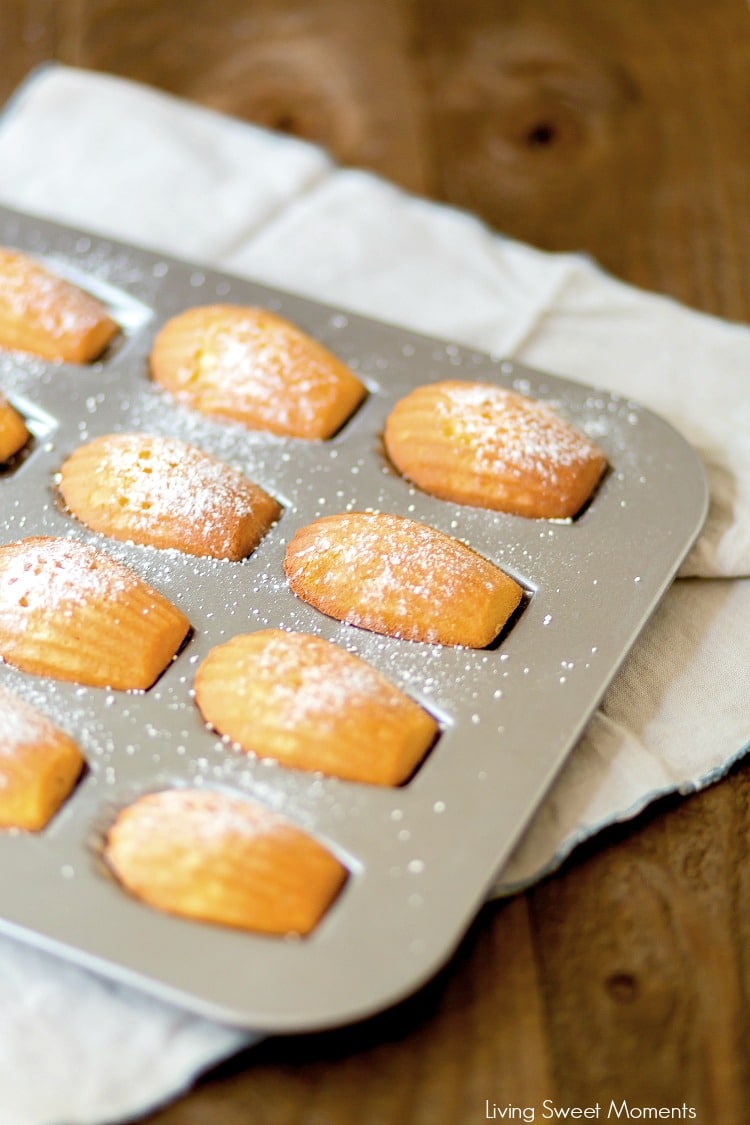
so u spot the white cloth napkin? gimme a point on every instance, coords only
(126, 161)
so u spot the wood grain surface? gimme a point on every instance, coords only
(620, 129)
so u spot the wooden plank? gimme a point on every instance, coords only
(28, 37)
(331, 72)
(608, 128)
(642, 977)
(473, 1035)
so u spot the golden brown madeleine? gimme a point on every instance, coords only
(311, 705)
(395, 576)
(475, 443)
(73, 613)
(48, 316)
(250, 366)
(222, 859)
(13, 432)
(161, 492)
(39, 765)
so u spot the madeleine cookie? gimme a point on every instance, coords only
(250, 366)
(13, 432)
(47, 316)
(220, 859)
(310, 705)
(73, 613)
(160, 492)
(395, 576)
(475, 443)
(39, 765)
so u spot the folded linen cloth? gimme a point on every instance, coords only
(123, 160)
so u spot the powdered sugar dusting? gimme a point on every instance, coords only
(388, 572)
(307, 678)
(20, 724)
(30, 292)
(149, 484)
(55, 575)
(391, 555)
(164, 476)
(271, 367)
(202, 815)
(248, 363)
(500, 430)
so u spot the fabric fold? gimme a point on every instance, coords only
(675, 719)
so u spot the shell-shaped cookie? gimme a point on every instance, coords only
(73, 613)
(311, 705)
(13, 432)
(250, 366)
(484, 445)
(39, 765)
(395, 576)
(47, 316)
(161, 492)
(220, 859)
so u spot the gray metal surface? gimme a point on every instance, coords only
(421, 856)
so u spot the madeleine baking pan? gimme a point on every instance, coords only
(420, 857)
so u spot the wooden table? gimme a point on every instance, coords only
(620, 129)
